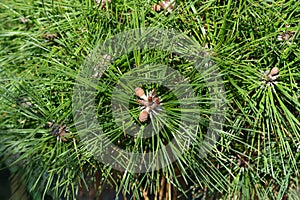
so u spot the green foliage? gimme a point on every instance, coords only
(43, 45)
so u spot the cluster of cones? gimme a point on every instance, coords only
(149, 103)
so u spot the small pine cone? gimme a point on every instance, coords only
(167, 4)
(156, 8)
(274, 71)
(140, 93)
(144, 115)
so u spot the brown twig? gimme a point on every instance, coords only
(145, 194)
(162, 187)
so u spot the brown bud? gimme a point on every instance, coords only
(144, 115)
(141, 102)
(140, 93)
(156, 8)
(274, 71)
(156, 100)
(167, 4)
